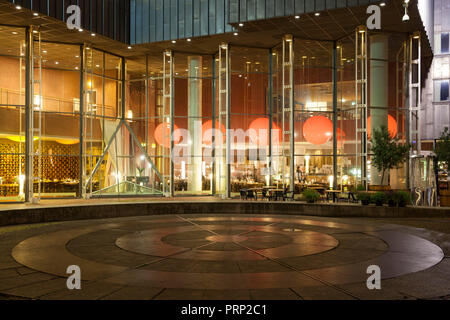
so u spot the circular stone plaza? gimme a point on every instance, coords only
(157, 250)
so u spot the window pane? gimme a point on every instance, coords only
(444, 91)
(444, 43)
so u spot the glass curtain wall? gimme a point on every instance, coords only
(313, 116)
(123, 119)
(142, 113)
(193, 105)
(12, 114)
(106, 142)
(250, 117)
(57, 102)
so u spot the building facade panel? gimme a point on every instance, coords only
(436, 100)
(249, 10)
(172, 19)
(110, 18)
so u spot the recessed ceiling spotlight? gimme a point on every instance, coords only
(14, 32)
(188, 40)
(317, 14)
(35, 14)
(130, 47)
(44, 51)
(18, 7)
(297, 17)
(56, 62)
(382, 4)
(236, 33)
(93, 34)
(35, 31)
(80, 30)
(174, 41)
(77, 57)
(241, 24)
(76, 68)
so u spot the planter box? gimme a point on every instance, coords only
(380, 188)
(445, 198)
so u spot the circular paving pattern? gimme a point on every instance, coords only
(227, 252)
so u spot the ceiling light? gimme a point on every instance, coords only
(382, 4)
(188, 40)
(297, 17)
(44, 51)
(80, 30)
(56, 62)
(406, 16)
(18, 7)
(173, 41)
(93, 34)
(236, 33)
(317, 14)
(14, 32)
(35, 14)
(130, 47)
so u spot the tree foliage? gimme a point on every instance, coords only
(388, 152)
(442, 149)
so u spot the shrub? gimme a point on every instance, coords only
(360, 187)
(390, 199)
(378, 198)
(311, 196)
(402, 198)
(364, 197)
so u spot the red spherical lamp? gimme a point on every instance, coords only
(162, 134)
(207, 131)
(392, 126)
(259, 132)
(318, 130)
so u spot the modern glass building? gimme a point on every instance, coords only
(203, 97)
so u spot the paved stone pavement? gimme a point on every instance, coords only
(224, 257)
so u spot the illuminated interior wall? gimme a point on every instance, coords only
(249, 106)
(12, 115)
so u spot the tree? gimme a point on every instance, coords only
(388, 153)
(442, 149)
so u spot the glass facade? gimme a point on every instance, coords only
(174, 123)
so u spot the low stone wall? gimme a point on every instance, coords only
(113, 210)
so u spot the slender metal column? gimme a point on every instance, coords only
(168, 115)
(123, 88)
(414, 101)
(270, 78)
(361, 106)
(81, 167)
(224, 79)
(335, 117)
(28, 117)
(213, 113)
(288, 109)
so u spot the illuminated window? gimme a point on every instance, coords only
(441, 90)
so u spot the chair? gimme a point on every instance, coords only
(252, 195)
(288, 195)
(265, 194)
(243, 193)
(277, 195)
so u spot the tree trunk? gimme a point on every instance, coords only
(382, 176)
